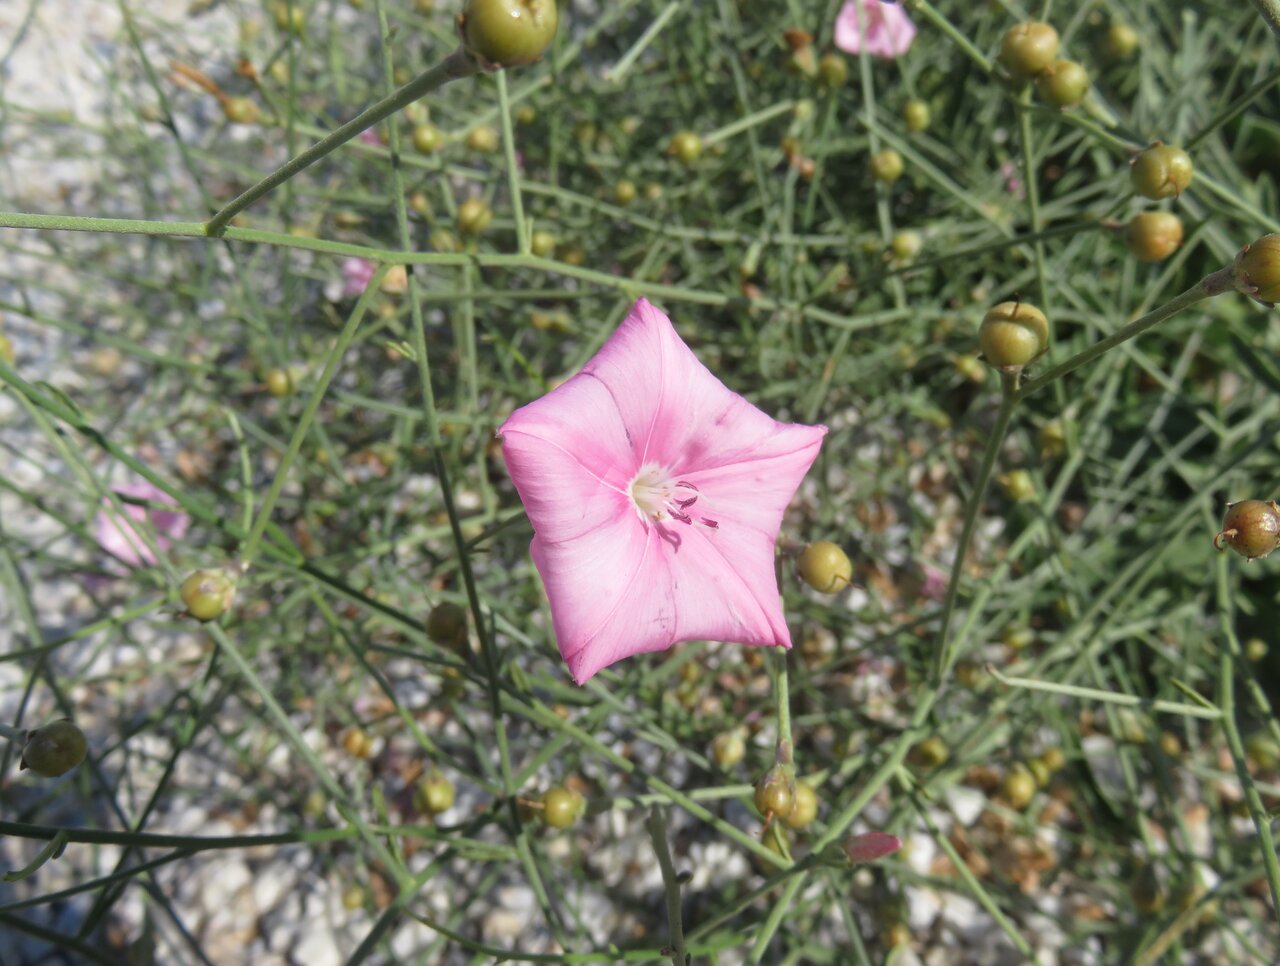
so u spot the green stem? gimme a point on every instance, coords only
(657, 825)
(513, 169)
(1008, 400)
(1270, 10)
(457, 65)
(1209, 286)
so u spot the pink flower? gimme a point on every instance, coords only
(119, 537)
(356, 273)
(870, 846)
(370, 136)
(883, 29)
(655, 494)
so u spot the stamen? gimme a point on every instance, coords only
(653, 496)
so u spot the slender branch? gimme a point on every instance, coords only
(457, 65)
(656, 823)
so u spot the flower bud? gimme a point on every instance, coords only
(916, 115)
(825, 567)
(508, 33)
(1013, 334)
(54, 749)
(1153, 236)
(804, 809)
(685, 146)
(562, 806)
(1161, 171)
(887, 165)
(870, 846)
(434, 793)
(1257, 269)
(208, 594)
(1028, 48)
(1251, 528)
(1063, 83)
(776, 791)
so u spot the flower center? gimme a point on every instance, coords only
(658, 498)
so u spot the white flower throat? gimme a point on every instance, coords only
(658, 498)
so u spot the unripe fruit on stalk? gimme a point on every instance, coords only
(624, 192)
(482, 140)
(1013, 334)
(208, 594)
(54, 749)
(1257, 269)
(1063, 83)
(686, 146)
(825, 567)
(1018, 485)
(473, 216)
(1251, 528)
(434, 793)
(1121, 41)
(561, 806)
(833, 71)
(728, 748)
(776, 791)
(1161, 171)
(447, 625)
(543, 244)
(241, 110)
(1028, 48)
(906, 245)
(1152, 236)
(916, 115)
(279, 382)
(508, 33)
(1018, 787)
(427, 139)
(887, 165)
(804, 809)
(930, 753)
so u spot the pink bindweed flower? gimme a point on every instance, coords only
(356, 273)
(119, 537)
(371, 136)
(882, 29)
(656, 494)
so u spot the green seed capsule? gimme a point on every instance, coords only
(1018, 787)
(776, 791)
(1028, 48)
(447, 625)
(435, 793)
(543, 244)
(473, 216)
(833, 71)
(1063, 83)
(916, 115)
(1121, 41)
(728, 748)
(804, 809)
(825, 567)
(508, 33)
(482, 140)
(1013, 334)
(887, 166)
(561, 806)
(208, 594)
(1257, 269)
(930, 753)
(279, 382)
(427, 139)
(54, 749)
(625, 192)
(1161, 171)
(1153, 236)
(686, 146)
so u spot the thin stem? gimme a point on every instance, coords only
(513, 169)
(1209, 286)
(656, 823)
(783, 693)
(457, 65)
(1008, 400)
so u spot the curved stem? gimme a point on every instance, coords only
(457, 65)
(657, 826)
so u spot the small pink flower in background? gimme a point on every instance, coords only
(1012, 183)
(656, 494)
(933, 583)
(885, 29)
(356, 273)
(370, 136)
(870, 846)
(117, 535)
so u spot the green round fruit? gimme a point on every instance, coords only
(427, 139)
(1028, 48)
(1018, 787)
(916, 115)
(508, 33)
(1257, 269)
(685, 146)
(728, 748)
(1063, 83)
(54, 749)
(543, 244)
(825, 567)
(1013, 334)
(776, 792)
(447, 625)
(473, 216)
(1121, 41)
(804, 809)
(482, 140)
(207, 594)
(906, 245)
(279, 382)
(1161, 171)
(1152, 236)
(435, 793)
(561, 806)
(833, 71)
(887, 165)
(625, 192)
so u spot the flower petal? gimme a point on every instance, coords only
(882, 29)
